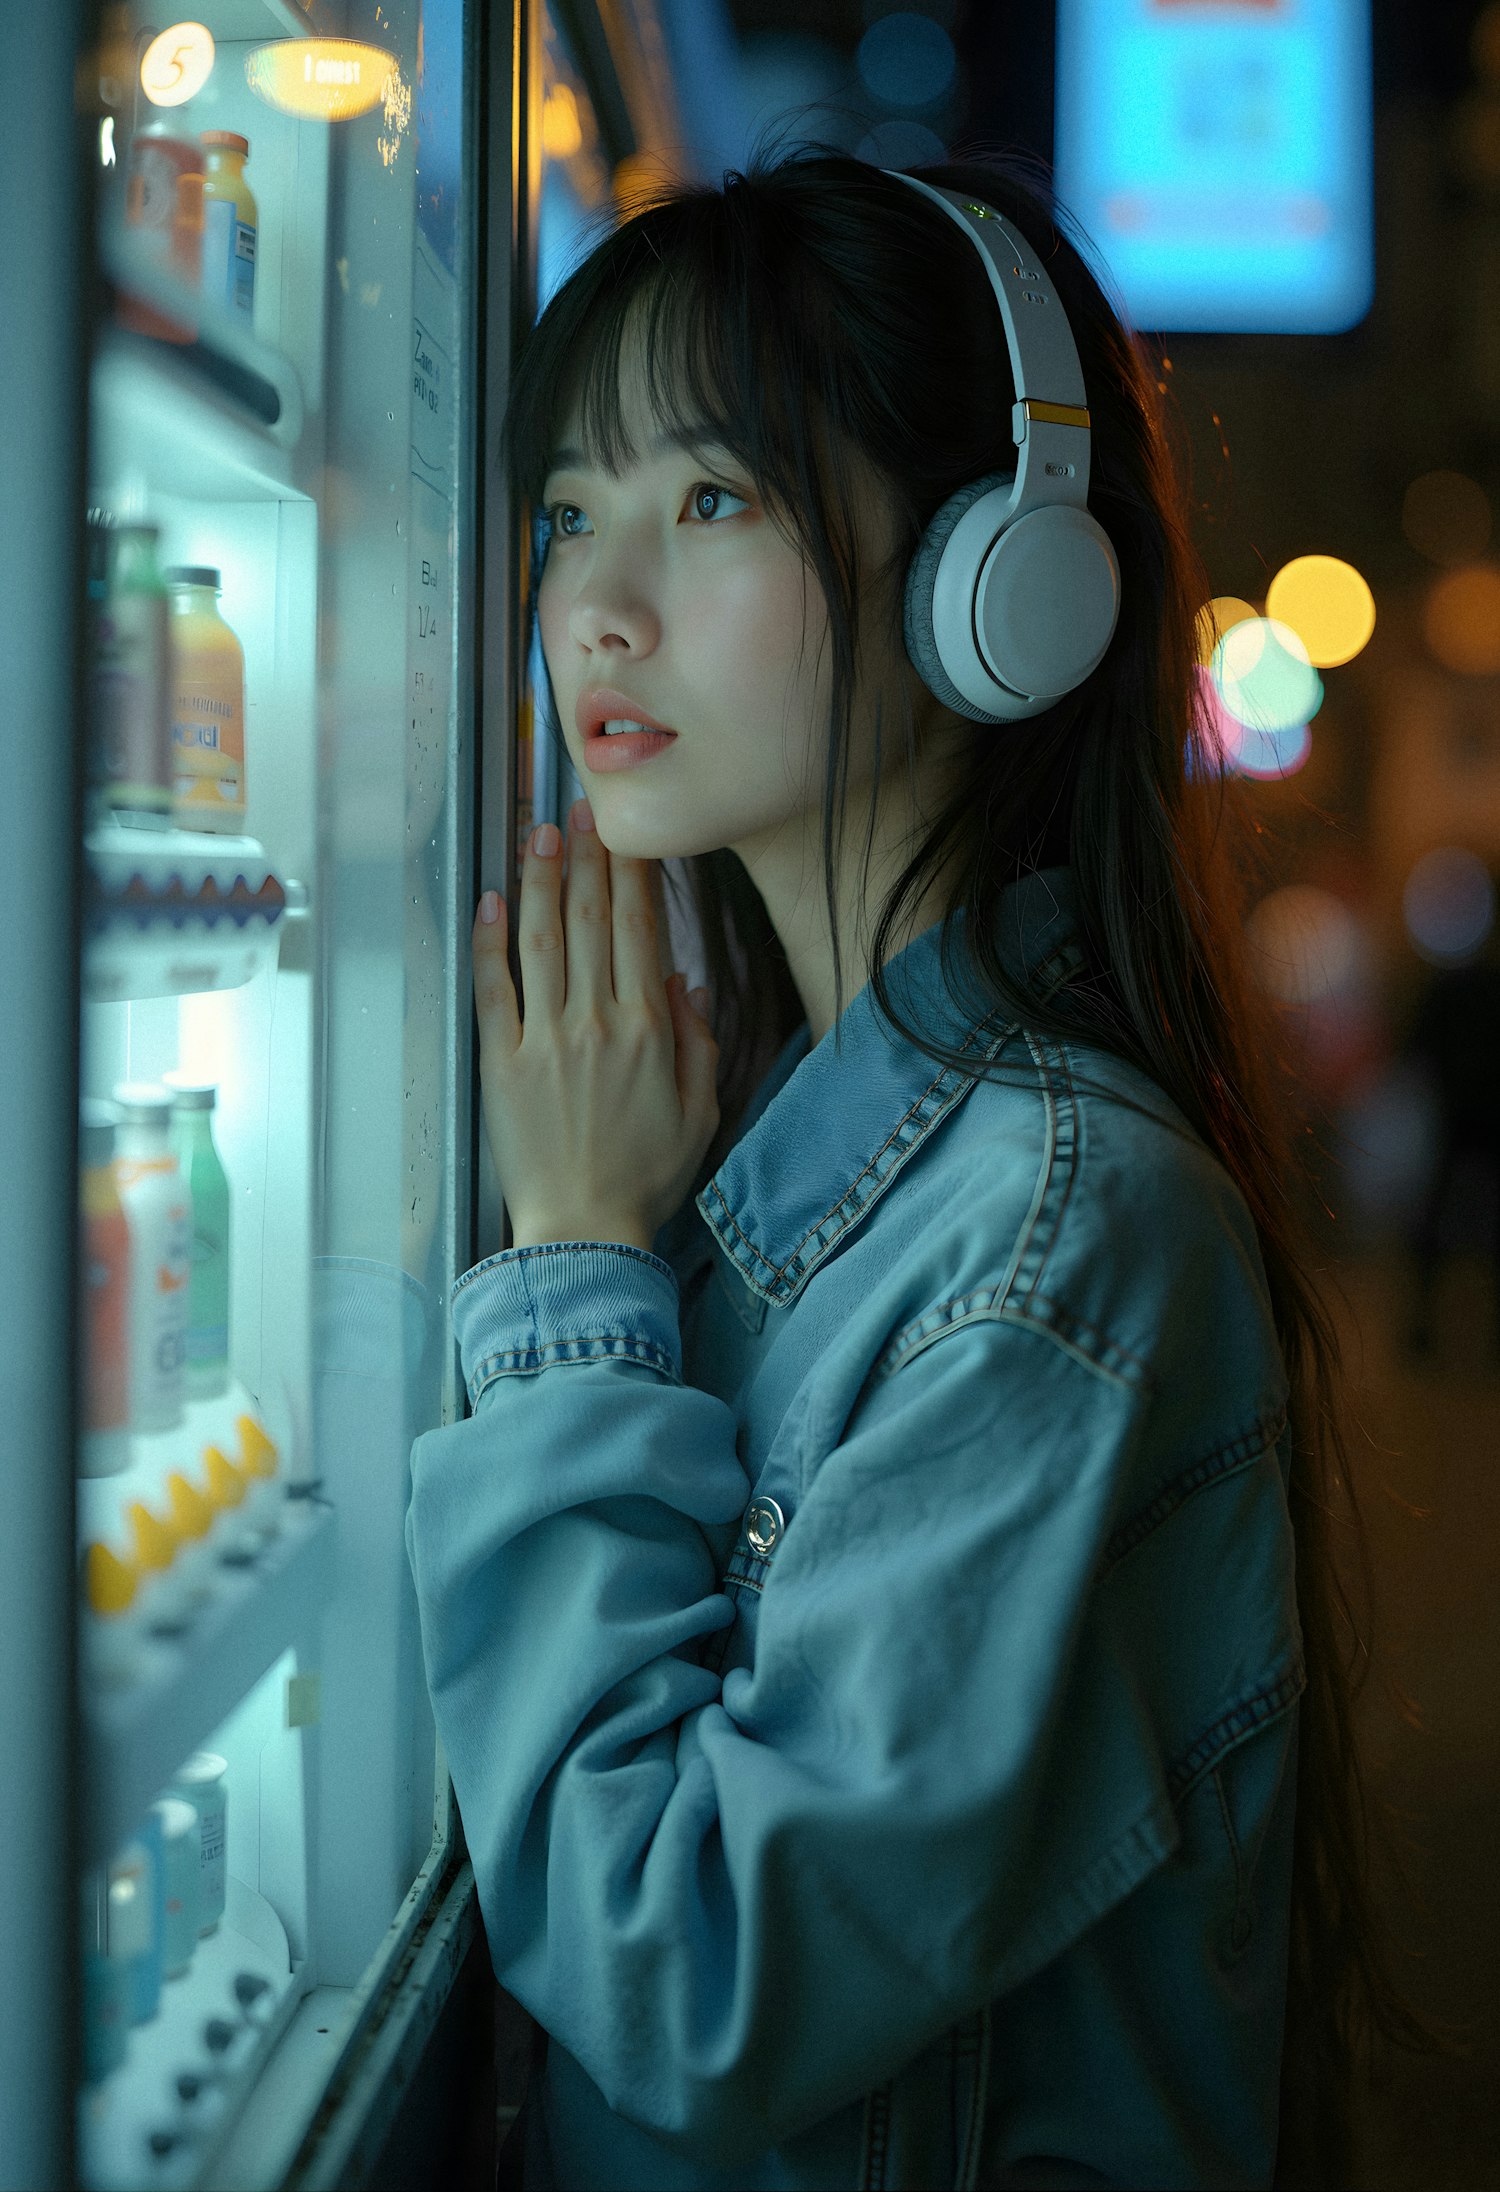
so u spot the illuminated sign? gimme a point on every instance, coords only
(1219, 155)
(320, 79)
(176, 66)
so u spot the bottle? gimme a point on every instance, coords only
(231, 223)
(207, 705)
(202, 1780)
(166, 1587)
(131, 724)
(192, 1518)
(112, 1632)
(207, 1361)
(258, 1460)
(237, 1538)
(159, 1213)
(104, 1264)
(134, 1919)
(164, 205)
(182, 1865)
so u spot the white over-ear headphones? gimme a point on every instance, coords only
(1013, 595)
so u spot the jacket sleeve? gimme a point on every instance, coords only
(741, 1902)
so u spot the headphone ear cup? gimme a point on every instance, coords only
(921, 646)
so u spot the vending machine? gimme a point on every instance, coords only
(267, 720)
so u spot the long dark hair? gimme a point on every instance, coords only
(814, 307)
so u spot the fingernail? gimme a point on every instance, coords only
(545, 839)
(489, 906)
(583, 815)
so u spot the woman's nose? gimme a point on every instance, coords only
(613, 614)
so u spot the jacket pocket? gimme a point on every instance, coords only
(1248, 1790)
(924, 2128)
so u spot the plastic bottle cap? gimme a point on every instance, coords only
(144, 1103)
(155, 1544)
(109, 1581)
(226, 1485)
(257, 1449)
(191, 1513)
(228, 138)
(200, 1770)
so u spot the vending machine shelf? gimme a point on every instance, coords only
(139, 1731)
(170, 912)
(203, 357)
(161, 2116)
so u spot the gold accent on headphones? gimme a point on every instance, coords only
(1056, 414)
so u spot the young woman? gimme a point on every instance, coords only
(880, 1613)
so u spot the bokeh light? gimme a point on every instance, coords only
(1461, 619)
(1449, 904)
(1267, 755)
(1217, 617)
(1305, 944)
(562, 126)
(1265, 677)
(1327, 603)
(1446, 517)
(1228, 746)
(1219, 731)
(901, 142)
(906, 60)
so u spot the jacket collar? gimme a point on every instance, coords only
(841, 1124)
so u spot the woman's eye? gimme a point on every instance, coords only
(706, 491)
(560, 519)
(558, 516)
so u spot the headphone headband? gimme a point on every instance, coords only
(1043, 356)
(1014, 592)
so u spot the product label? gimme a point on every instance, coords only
(228, 257)
(129, 700)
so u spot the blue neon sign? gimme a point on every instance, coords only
(1219, 153)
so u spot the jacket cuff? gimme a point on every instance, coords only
(566, 1301)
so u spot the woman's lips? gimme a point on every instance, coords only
(601, 704)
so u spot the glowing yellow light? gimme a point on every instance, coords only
(176, 66)
(562, 131)
(1216, 618)
(1461, 620)
(1328, 605)
(320, 79)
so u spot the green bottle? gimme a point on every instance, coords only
(207, 1365)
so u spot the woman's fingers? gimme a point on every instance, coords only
(586, 922)
(494, 992)
(543, 953)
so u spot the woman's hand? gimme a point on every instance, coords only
(601, 1106)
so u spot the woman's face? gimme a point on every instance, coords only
(672, 586)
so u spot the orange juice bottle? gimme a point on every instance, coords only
(208, 706)
(231, 223)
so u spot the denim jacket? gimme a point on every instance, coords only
(862, 1632)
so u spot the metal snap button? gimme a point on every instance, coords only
(764, 1523)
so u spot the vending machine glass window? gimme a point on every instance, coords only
(276, 1126)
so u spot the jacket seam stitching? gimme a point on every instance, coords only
(1256, 1440)
(962, 1085)
(1253, 1713)
(989, 1312)
(553, 1248)
(518, 1361)
(1062, 1167)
